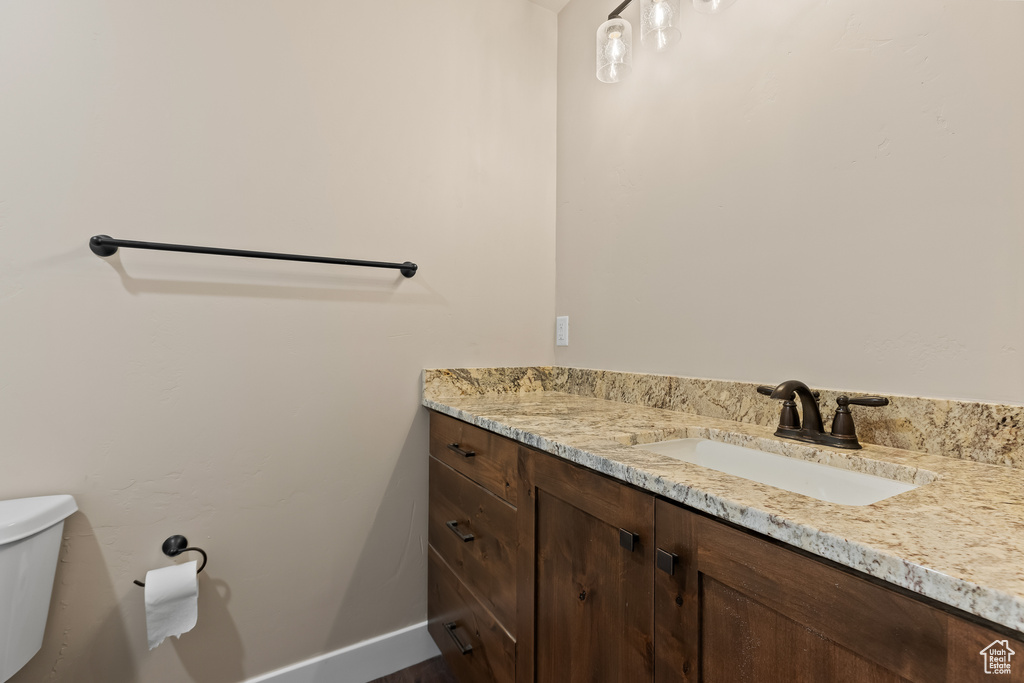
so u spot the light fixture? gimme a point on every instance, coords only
(658, 23)
(659, 28)
(614, 50)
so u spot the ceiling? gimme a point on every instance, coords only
(553, 5)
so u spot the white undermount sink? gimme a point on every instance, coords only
(824, 482)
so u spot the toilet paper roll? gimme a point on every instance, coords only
(172, 601)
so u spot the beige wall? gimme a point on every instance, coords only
(830, 191)
(268, 411)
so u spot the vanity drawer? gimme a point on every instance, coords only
(472, 641)
(487, 459)
(459, 509)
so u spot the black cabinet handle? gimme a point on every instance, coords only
(464, 454)
(450, 628)
(628, 540)
(454, 526)
(666, 561)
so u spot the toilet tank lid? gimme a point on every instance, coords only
(22, 517)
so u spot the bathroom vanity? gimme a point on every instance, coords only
(562, 551)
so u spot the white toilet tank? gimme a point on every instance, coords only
(30, 533)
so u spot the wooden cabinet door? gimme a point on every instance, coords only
(586, 576)
(752, 610)
(771, 614)
(676, 595)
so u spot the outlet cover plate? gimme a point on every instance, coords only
(562, 330)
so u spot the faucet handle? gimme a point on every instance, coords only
(767, 391)
(789, 418)
(872, 401)
(842, 422)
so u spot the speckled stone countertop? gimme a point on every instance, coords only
(958, 538)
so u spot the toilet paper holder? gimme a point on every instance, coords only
(174, 546)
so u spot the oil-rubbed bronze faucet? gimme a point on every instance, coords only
(843, 434)
(790, 418)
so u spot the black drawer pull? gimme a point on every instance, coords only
(454, 526)
(464, 454)
(464, 649)
(666, 561)
(628, 540)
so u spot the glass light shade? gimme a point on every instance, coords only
(659, 23)
(614, 50)
(711, 6)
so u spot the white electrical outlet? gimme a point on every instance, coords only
(562, 330)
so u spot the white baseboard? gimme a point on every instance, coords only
(361, 662)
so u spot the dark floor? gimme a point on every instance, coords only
(431, 671)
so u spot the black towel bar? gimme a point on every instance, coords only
(105, 245)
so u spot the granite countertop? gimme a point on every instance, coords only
(958, 538)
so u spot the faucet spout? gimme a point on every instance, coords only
(809, 406)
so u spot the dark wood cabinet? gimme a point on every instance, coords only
(486, 458)
(586, 581)
(738, 608)
(474, 643)
(475, 532)
(676, 623)
(590, 580)
(473, 550)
